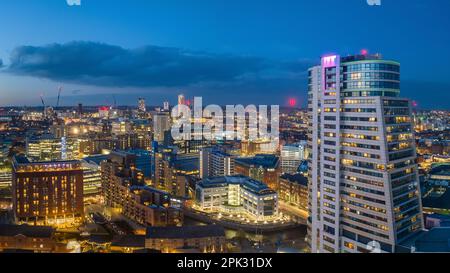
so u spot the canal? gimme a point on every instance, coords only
(291, 240)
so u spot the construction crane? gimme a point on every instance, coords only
(43, 104)
(115, 101)
(59, 96)
(42, 100)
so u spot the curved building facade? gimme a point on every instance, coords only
(363, 181)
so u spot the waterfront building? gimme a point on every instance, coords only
(36, 239)
(187, 239)
(237, 194)
(293, 190)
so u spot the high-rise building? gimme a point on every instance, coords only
(103, 112)
(292, 156)
(166, 106)
(181, 99)
(80, 110)
(47, 193)
(5, 176)
(173, 172)
(161, 124)
(214, 162)
(363, 180)
(141, 105)
(92, 178)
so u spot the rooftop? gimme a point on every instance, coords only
(129, 241)
(187, 164)
(436, 240)
(361, 57)
(443, 169)
(185, 232)
(441, 202)
(25, 230)
(296, 178)
(265, 161)
(246, 182)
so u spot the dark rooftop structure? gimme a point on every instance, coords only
(25, 230)
(436, 240)
(248, 183)
(265, 161)
(361, 57)
(97, 159)
(296, 178)
(185, 232)
(135, 241)
(443, 169)
(187, 164)
(440, 202)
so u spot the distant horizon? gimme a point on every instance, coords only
(252, 53)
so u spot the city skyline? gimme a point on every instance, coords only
(217, 127)
(240, 57)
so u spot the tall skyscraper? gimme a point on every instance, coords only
(141, 105)
(161, 124)
(80, 110)
(166, 106)
(181, 99)
(363, 179)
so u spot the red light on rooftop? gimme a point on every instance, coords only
(415, 104)
(364, 52)
(292, 102)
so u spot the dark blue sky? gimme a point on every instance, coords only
(228, 51)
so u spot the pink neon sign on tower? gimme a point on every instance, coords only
(329, 61)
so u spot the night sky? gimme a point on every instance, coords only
(228, 51)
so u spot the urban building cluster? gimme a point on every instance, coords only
(359, 165)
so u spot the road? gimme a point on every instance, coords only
(293, 210)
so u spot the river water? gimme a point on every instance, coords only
(292, 240)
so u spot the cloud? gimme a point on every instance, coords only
(150, 66)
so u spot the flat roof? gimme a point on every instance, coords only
(25, 230)
(443, 169)
(435, 240)
(296, 178)
(185, 232)
(250, 184)
(441, 202)
(266, 161)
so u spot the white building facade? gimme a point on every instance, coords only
(237, 194)
(291, 157)
(215, 163)
(363, 178)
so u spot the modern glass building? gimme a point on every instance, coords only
(363, 180)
